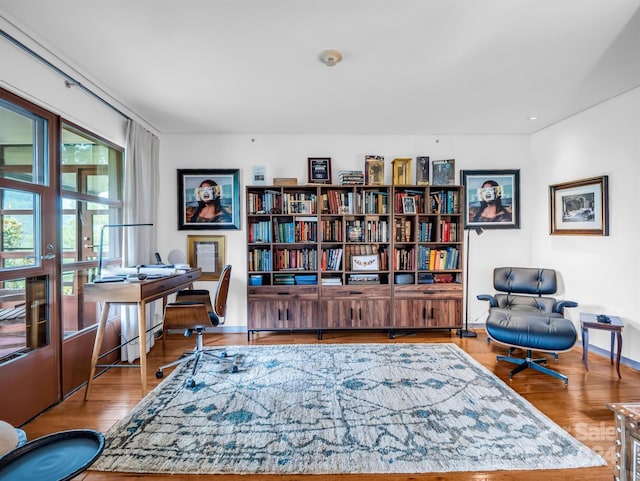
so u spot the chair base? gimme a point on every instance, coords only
(532, 363)
(219, 355)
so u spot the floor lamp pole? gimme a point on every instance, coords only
(466, 332)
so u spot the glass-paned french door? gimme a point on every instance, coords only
(29, 265)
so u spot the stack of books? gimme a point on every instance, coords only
(425, 278)
(351, 177)
(306, 279)
(364, 279)
(331, 281)
(283, 279)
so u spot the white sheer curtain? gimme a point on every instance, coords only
(140, 200)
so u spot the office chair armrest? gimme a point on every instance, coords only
(489, 298)
(560, 306)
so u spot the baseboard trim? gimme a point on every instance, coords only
(607, 354)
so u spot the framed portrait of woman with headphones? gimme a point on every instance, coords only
(208, 199)
(492, 199)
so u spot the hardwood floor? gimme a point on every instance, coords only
(579, 408)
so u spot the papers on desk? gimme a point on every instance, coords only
(151, 272)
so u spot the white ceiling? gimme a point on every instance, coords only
(409, 67)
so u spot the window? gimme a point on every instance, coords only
(92, 189)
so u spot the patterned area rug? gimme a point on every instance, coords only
(339, 408)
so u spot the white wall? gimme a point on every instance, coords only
(601, 273)
(286, 156)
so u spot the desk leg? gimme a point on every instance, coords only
(585, 348)
(142, 336)
(619, 337)
(96, 347)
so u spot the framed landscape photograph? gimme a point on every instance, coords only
(580, 207)
(319, 170)
(492, 199)
(208, 199)
(443, 172)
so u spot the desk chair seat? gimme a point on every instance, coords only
(195, 316)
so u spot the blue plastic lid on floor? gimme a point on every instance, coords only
(56, 457)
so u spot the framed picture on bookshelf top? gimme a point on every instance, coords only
(443, 172)
(374, 170)
(492, 199)
(422, 170)
(580, 207)
(401, 171)
(319, 170)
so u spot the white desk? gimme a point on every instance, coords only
(138, 293)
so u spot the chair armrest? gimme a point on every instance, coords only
(489, 298)
(560, 306)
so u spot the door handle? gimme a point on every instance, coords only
(47, 257)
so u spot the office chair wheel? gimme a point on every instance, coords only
(223, 354)
(159, 374)
(234, 368)
(190, 383)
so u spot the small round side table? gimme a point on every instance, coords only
(590, 321)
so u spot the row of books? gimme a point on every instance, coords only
(403, 231)
(300, 230)
(331, 259)
(275, 202)
(437, 259)
(344, 202)
(264, 202)
(367, 230)
(335, 202)
(259, 231)
(259, 260)
(445, 202)
(302, 259)
(425, 258)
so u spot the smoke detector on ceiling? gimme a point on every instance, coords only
(330, 57)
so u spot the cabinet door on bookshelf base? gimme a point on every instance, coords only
(282, 315)
(355, 314)
(412, 313)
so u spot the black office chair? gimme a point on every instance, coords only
(194, 313)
